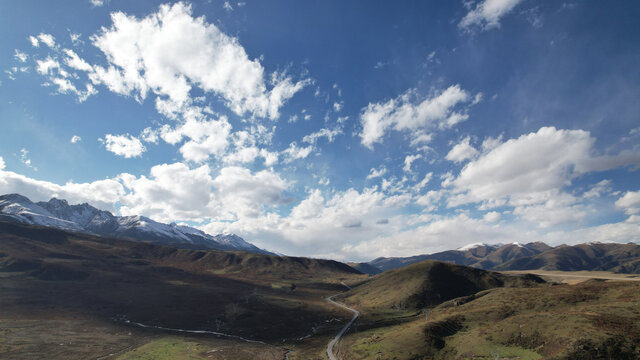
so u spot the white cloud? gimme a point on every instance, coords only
(491, 216)
(437, 235)
(337, 107)
(22, 57)
(34, 41)
(75, 139)
(487, 14)
(101, 193)
(245, 194)
(75, 38)
(170, 51)
(47, 39)
(629, 202)
(419, 186)
(172, 192)
(599, 189)
(2, 165)
(553, 158)
(324, 181)
(205, 138)
(24, 158)
(374, 173)
(58, 76)
(462, 151)
(403, 113)
(330, 134)
(75, 62)
(227, 6)
(149, 135)
(127, 145)
(408, 160)
(46, 66)
(558, 208)
(97, 3)
(294, 152)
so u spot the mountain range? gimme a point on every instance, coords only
(84, 218)
(621, 258)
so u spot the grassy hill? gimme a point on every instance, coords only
(590, 320)
(428, 283)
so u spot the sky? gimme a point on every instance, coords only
(344, 130)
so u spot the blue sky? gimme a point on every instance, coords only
(331, 129)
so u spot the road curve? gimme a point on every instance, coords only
(335, 340)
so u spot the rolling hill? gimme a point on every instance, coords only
(429, 283)
(591, 320)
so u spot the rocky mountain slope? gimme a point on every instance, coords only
(483, 256)
(85, 218)
(620, 258)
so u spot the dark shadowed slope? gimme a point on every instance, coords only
(365, 268)
(49, 273)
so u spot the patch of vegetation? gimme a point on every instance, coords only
(590, 320)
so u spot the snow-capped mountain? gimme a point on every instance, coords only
(85, 218)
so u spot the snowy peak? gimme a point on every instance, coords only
(88, 219)
(15, 207)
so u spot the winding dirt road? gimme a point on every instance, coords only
(336, 339)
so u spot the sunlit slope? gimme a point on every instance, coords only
(590, 320)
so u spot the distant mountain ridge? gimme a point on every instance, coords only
(85, 218)
(622, 258)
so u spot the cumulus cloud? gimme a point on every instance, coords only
(22, 57)
(491, 216)
(59, 77)
(330, 134)
(126, 146)
(560, 156)
(47, 39)
(170, 51)
(204, 138)
(295, 152)
(75, 139)
(440, 111)
(629, 202)
(374, 173)
(244, 194)
(536, 188)
(34, 41)
(102, 193)
(408, 160)
(75, 62)
(462, 151)
(487, 14)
